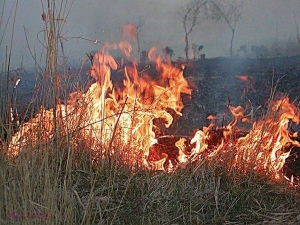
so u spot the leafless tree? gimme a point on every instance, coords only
(231, 12)
(168, 53)
(297, 28)
(194, 13)
(194, 48)
(139, 25)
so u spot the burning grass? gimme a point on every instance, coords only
(65, 179)
(65, 185)
(130, 120)
(103, 156)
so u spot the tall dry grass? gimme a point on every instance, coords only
(6, 97)
(54, 182)
(64, 188)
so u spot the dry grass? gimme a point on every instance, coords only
(55, 182)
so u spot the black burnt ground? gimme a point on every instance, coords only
(221, 81)
(217, 80)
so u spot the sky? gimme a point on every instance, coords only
(263, 22)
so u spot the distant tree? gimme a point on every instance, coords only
(243, 50)
(144, 56)
(194, 48)
(229, 11)
(199, 49)
(279, 48)
(259, 51)
(276, 49)
(193, 14)
(168, 52)
(292, 47)
(180, 58)
(139, 25)
(297, 28)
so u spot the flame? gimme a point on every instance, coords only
(265, 144)
(126, 120)
(248, 82)
(111, 119)
(129, 31)
(129, 114)
(264, 148)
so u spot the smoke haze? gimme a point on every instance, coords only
(263, 22)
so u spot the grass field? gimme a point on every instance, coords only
(55, 182)
(55, 186)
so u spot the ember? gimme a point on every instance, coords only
(129, 119)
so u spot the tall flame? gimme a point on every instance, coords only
(266, 143)
(117, 118)
(124, 119)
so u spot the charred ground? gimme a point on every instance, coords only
(219, 82)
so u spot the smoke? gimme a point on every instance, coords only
(263, 22)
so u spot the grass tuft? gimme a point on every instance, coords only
(74, 191)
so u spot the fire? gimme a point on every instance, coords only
(268, 140)
(248, 82)
(126, 119)
(112, 118)
(264, 147)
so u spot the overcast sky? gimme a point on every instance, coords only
(263, 22)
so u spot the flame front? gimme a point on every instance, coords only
(120, 119)
(112, 118)
(264, 148)
(125, 115)
(266, 144)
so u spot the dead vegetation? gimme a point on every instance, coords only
(57, 180)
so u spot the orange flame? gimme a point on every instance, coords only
(129, 31)
(120, 118)
(123, 120)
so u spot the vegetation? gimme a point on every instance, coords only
(58, 183)
(197, 11)
(62, 187)
(231, 13)
(194, 13)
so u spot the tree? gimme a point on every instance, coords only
(259, 51)
(229, 11)
(297, 29)
(199, 49)
(139, 24)
(194, 13)
(133, 30)
(168, 53)
(196, 49)
(243, 50)
(144, 56)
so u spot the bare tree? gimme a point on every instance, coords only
(133, 30)
(194, 13)
(229, 11)
(139, 24)
(168, 53)
(194, 48)
(297, 28)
